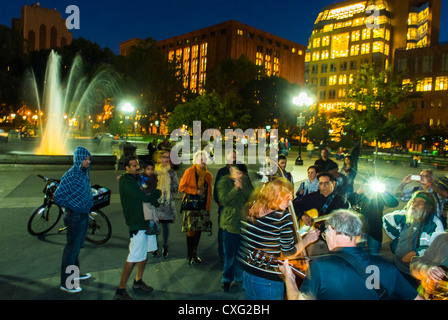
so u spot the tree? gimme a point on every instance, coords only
(376, 93)
(228, 80)
(150, 77)
(206, 108)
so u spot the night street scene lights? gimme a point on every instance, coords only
(301, 101)
(128, 109)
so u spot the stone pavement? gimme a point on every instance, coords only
(29, 266)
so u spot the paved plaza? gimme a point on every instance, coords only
(30, 266)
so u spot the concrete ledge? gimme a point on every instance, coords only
(99, 162)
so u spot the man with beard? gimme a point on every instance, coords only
(412, 230)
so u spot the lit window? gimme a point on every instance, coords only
(365, 34)
(328, 28)
(342, 79)
(356, 35)
(354, 50)
(316, 42)
(441, 83)
(339, 45)
(424, 85)
(378, 33)
(325, 41)
(316, 56)
(386, 49)
(325, 54)
(332, 80)
(239, 32)
(378, 46)
(365, 48)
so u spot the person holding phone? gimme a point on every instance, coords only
(426, 180)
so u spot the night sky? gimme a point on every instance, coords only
(109, 22)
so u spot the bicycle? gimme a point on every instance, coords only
(49, 213)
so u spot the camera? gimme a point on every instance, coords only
(377, 187)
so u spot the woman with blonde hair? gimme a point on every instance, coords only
(168, 184)
(269, 227)
(196, 184)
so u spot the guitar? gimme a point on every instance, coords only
(316, 221)
(261, 259)
(433, 290)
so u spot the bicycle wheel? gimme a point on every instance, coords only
(44, 219)
(100, 228)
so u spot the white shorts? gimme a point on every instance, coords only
(140, 245)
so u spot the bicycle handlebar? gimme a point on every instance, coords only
(42, 177)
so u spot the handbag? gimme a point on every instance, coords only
(194, 202)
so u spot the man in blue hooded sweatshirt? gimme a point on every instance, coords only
(75, 195)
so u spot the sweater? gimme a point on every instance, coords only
(132, 198)
(74, 191)
(233, 201)
(188, 184)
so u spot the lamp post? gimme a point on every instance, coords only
(128, 109)
(300, 101)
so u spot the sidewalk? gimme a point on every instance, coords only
(29, 266)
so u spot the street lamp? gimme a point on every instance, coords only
(128, 109)
(302, 100)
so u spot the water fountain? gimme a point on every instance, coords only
(74, 97)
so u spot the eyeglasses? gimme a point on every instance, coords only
(326, 183)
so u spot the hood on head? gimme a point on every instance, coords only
(80, 155)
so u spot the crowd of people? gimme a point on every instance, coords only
(327, 232)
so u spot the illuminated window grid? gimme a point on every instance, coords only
(194, 68)
(339, 45)
(425, 84)
(276, 66)
(365, 48)
(186, 66)
(203, 66)
(441, 83)
(354, 50)
(268, 65)
(259, 59)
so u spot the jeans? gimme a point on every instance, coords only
(231, 270)
(77, 225)
(262, 289)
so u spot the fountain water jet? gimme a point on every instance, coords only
(76, 98)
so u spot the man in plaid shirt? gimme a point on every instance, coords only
(75, 196)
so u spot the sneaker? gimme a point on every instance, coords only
(141, 285)
(84, 276)
(74, 290)
(122, 295)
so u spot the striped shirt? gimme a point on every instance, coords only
(273, 234)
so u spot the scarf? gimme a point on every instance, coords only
(201, 175)
(163, 181)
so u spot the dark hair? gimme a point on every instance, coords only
(129, 159)
(148, 163)
(331, 166)
(316, 168)
(281, 157)
(326, 174)
(240, 167)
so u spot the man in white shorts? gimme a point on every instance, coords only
(132, 198)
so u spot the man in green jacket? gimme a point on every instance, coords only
(233, 191)
(132, 198)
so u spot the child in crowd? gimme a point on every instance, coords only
(148, 183)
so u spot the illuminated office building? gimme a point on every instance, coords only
(351, 33)
(199, 52)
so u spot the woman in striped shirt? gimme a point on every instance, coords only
(269, 227)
